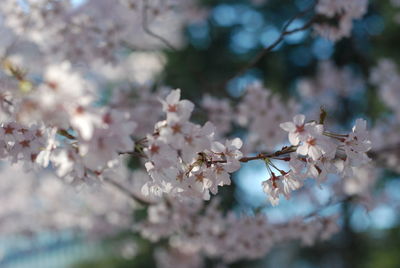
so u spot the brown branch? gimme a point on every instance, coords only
(64, 133)
(395, 148)
(261, 156)
(285, 150)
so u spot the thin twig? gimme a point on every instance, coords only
(7, 101)
(331, 202)
(146, 28)
(283, 151)
(283, 34)
(128, 193)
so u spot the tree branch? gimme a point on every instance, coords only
(146, 28)
(128, 193)
(283, 34)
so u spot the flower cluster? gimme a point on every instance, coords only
(38, 202)
(345, 11)
(141, 102)
(61, 100)
(329, 84)
(205, 231)
(386, 77)
(82, 113)
(77, 138)
(220, 113)
(261, 112)
(97, 28)
(315, 153)
(90, 157)
(58, 29)
(184, 158)
(22, 143)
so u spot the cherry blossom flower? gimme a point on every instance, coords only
(296, 129)
(229, 237)
(220, 113)
(175, 108)
(346, 10)
(316, 144)
(262, 113)
(277, 185)
(230, 151)
(56, 114)
(184, 158)
(357, 144)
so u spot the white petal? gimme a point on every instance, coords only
(174, 96)
(314, 152)
(218, 147)
(208, 128)
(302, 149)
(299, 119)
(237, 142)
(294, 138)
(288, 126)
(361, 125)
(145, 189)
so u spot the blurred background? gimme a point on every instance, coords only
(214, 48)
